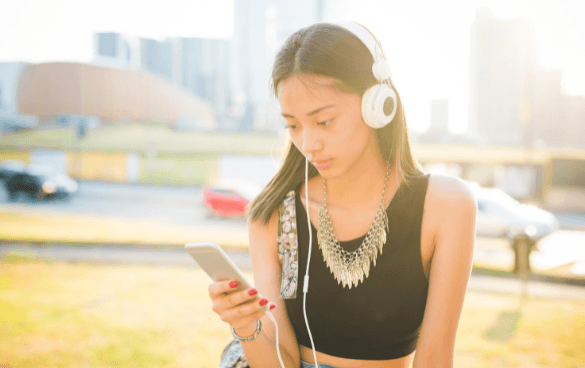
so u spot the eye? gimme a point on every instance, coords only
(291, 127)
(324, 123)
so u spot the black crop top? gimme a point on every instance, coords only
(381, 317)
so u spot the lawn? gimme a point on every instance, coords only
(56, 314)
(146, 139)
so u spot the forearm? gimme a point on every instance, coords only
(261, 352)
(434, 363)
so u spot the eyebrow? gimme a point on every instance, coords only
(309, 114)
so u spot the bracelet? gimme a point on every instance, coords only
(246, 339)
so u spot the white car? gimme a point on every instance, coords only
(500, 215)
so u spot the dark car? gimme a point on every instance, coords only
(9, 168)
(39, 182)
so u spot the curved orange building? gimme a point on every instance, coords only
(114, 95)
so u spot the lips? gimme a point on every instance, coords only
(321, 164)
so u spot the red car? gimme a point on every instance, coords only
(229, 198)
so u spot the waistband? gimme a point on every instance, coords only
(309, 365)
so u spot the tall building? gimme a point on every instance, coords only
(439, 116)
(503, 60)
(202, 66)
(574, 118)
(10, 116)
(157, 57)
(546, 109)
(260, 28)
(113, 50)
(557, 120)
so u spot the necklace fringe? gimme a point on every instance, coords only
(351, 268)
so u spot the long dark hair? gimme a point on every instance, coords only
(331, 51)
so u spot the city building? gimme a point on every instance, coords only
(232, 75)
(202, 67)
(196, 66)
(10, 117)
(114, 50)
(556, 119)
(502, 65)
(512, 101)
(260, 28)
(51, 90)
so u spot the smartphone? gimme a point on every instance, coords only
(216, 263)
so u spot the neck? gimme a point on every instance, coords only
(362, 186)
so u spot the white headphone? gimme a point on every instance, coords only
(379, 102)
(379, 105)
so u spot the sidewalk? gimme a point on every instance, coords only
(482, 283)
(561, 255)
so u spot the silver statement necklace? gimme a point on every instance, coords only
(349, 268)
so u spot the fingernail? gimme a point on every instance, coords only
(234, 284)
(263, 302)
(252, 292)
(272, 305)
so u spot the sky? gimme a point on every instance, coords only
(427, 42)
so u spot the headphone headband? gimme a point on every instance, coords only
(381, 69)
(379, 102)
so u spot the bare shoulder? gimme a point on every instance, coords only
(446, 193)
(263, 233)
(451, 209)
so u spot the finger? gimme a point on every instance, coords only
(245, 312)
(223, 287)
(224, 302)
(240, 297)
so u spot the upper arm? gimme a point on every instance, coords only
(453, 206)
(267, 278)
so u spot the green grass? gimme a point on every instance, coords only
(138, 137)
(178, 169)
(82, 315)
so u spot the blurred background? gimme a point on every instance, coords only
(128, 129)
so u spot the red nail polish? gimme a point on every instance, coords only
(272, 306)
(234, 284)
(263, 302)
(252, 292)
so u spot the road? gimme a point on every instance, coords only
(564, 251)
(167, 204)
(164, 204)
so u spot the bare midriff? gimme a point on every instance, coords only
(307, 356)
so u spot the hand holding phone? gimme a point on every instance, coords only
(218, 265)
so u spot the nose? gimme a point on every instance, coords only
(311, 141)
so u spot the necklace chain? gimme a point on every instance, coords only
(349, 268)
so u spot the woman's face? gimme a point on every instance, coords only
(326, 124)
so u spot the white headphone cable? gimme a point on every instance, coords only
(306, 283)
(277, 343)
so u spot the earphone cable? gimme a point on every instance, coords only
(306, 282)
(277, 343)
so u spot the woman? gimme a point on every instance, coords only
(395, 246)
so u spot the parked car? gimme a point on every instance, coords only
(229, 198)
(500, 215)
(40, 182)
(8, 168)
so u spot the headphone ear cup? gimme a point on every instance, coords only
(379, 105)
